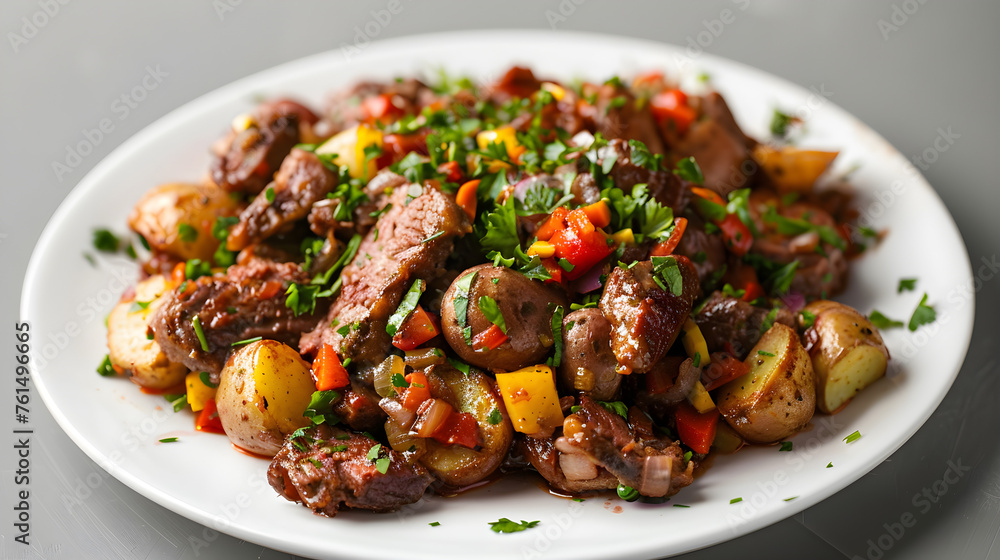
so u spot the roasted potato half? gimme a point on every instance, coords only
(477, 395)
(777, 397)
(793, 169)
(164, 215)
(847, 353)
(130, 347)
(265, 388)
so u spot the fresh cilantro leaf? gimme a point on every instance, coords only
(504, 525)
(922, 315)
(906, 285)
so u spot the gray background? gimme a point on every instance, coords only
(929, 65)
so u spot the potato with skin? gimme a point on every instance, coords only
(847, 352)
(777, 397)
(793, 169)
(163, 214)
(476, 394)
(264, 389)
(526, 305)
(131, 349)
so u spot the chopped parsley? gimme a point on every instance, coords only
(504, 525)
(769, 320)
(319, 407)
(880, 321)
(204, 377)
(808, 318)
(406, 307)
(301, 299)
(829, 465)
(786, 446)
(196, 268)
(853, 437)
(922, 315)
(906, 285)
(779, 123)
(667, 274)
(105, 241)
(186, 233)
(105, 368)
(269, 195)
(461, 303)
(489, 308)
(435, 523)
(557, 336)
(495, 417)
(615, 407)
(688, 170)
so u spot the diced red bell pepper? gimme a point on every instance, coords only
(451, 170)
(459, 429)
(722, 369)
(709, 195)
(553, 225)
(328, 371)
(418, 328)
(696, 431)
(208, 420)
(736, 235)
(752, 291)
(380, 108)
(579, 221)
(418, 391)
(490, 339)
(598, 213)
(667, 246)
(583, 251)
(671, 107)
(554, 270)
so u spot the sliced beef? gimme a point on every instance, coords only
(628, 450)
(347, 107)
(248, 301)
(358, 407)
(246, 159)
(646, 319)
(518, 82)
(714, 107)
(588, 364)
(707, 252)
(301, 182)
(822, 269)
(663, 186)
(730, 323)
(616, 114)
(328, 468)
(719, 146)
(399, 250)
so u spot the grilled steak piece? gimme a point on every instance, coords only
(411, 240)
(623, 452)
(327, 468)
(726, 320)
(646, 319)
(301, 182)
(246, 159)
(246, 302)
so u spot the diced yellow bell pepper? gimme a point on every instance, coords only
(531, 399)
(197, 392)
(625, 236)
(555, 89)
(694, 343)
(543, 249)
(697, 350)
(508, 137)
(349, 145)
(243, 122)
(700, 399)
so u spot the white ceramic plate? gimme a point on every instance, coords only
(203, 478)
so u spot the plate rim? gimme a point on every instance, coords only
(92, 181)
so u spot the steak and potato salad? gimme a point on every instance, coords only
(419, 286)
